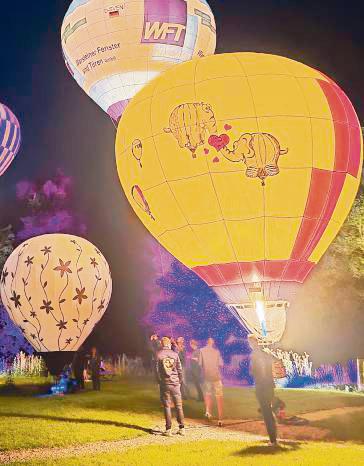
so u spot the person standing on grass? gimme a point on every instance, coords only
(94, 365)
(195, 369)
(211, 362)
(170, 377)
(78, 367)
(179, 347)
(261, 371)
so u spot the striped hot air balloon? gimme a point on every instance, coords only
(276, 166)
(10, 137)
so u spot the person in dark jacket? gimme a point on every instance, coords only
(94, 365)
(261, 370)
(195, 369)
(78, 367)
(170, 377)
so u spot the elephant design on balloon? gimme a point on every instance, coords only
(189, 124)
(194, 123)
(259, 151)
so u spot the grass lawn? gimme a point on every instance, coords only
(128, 408)
(208, 453)
(346, 427)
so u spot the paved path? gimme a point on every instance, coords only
(195, 432)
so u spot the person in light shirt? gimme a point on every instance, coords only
(211, 363)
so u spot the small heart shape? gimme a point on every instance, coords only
(216, 159)
(219, 142)
(206, 151)
(227, 127)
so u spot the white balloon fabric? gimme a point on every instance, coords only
(112, 49)
(56, 288)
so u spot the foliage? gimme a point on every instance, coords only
(11, 338)
(348, 248)
(6, 244)
(48, 207)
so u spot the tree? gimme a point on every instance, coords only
(348, 248)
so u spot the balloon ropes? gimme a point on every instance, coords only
(250, 165)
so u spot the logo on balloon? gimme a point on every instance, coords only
(157, 25)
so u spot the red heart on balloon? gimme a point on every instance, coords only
(219, 142)
(206, 151)
(227, 127)
(216, 159)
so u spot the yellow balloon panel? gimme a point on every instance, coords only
(113, 49)
(261, 155)
(56, 288)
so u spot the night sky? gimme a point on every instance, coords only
(63, 128)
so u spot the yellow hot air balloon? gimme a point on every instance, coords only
(113, 49)
(56, 288)
(251, 163)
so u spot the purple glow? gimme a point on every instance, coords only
(49, 202)
(25, 190)
(182, 304)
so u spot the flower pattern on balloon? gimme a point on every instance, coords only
(63, 267)
(46, 250)
(29, 261)
(80, 295)
(47, 305)
(16, 299)
(62, 325)
(4, 275)
(93, 261)
(101, 306)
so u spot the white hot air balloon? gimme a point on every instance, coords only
(112, 49)
(56, 288)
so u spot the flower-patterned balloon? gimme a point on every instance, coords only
(56, 288)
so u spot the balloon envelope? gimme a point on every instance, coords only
(112, 49)
(56, 288)
(251, 163)
(10, 137)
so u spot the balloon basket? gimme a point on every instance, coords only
(57, 360)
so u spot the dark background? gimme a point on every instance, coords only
(63, 128)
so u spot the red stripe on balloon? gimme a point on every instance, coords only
(253, 272)
(347, 129)
(315, 207)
